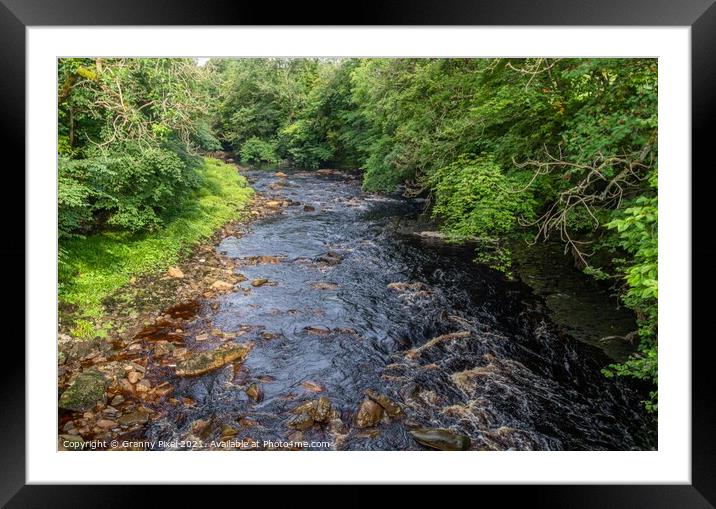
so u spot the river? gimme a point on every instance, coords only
(349, 301)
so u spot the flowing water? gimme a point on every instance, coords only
(331, 321)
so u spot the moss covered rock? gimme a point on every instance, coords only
(88, 389)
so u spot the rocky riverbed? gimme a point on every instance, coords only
(321, 324)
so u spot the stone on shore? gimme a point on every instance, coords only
(222, 286)
(88, 389)
(175, 272)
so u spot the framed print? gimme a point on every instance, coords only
(431, 247)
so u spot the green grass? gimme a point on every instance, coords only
(96, 266)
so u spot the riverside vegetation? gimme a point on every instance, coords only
(497, 151)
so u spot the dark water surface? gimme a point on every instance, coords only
(329, 320)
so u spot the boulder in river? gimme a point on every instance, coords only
(312, 412)
(441, 439)
(259, 281)
(322, 409)
(88, 389)
(330, 258)
(301, 421)
(317, 330)
(432, 235)
(312, 386)
(228, 432)
(324, 285)
(200, 363)
(369, 414)
(403, 287)
(254, 392)
(416, 352)
(391, 407)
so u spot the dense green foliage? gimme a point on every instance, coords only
(128, 133)
(133, 191)
(96, 265)
(637, 234)
(552, 148)
(256, 150)
(477, 201)
(562, 148)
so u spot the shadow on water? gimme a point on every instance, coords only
(353, 303)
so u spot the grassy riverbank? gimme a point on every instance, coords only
(94, 267)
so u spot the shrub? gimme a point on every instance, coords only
(255, 150)
(131, 190)
(477, 201)
(204, 139)
(637, 231)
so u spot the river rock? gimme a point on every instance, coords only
(391, 408)
(221, 286)
(441, 439)
(227, 432)
(403, 287)
(163, 389)
(273, 204)
(134, 377)
(309, 208)
(254, 392)
(259, 281)
(322, 410)
(330, 258)
(317, 330)
(162, 348)
(200, 363)
(133, 418)
(88, 389)
(301, 421)
(312, 412)
(266, 259)
(416, 352)
(323, 285)
(70, 442)
(312, 386)
(280, 174)
(175, 272)
(369, 414)
(432, 235)
(106, 424)
(81, 350)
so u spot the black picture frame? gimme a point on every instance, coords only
(700, 15)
